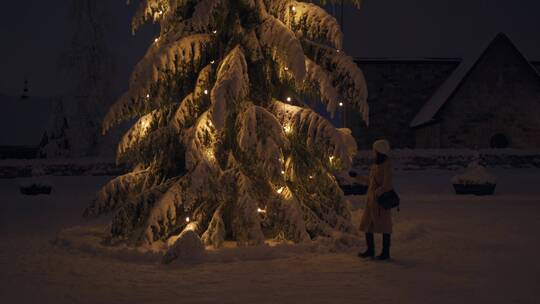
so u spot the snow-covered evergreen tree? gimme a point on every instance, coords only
(55, 142)
(224, 144)
(89, 65)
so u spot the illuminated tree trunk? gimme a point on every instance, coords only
(224, 144)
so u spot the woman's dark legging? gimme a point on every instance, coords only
(370, 243)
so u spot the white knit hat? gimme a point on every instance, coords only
(382, 146)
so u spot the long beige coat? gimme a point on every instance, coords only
(375, 218)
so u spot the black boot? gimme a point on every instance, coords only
(385, 254)
(370, 251)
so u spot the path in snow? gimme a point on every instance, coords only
(447, 249)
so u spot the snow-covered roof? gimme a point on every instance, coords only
(430, 109)
(23, 121)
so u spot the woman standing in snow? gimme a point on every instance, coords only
(375, 218)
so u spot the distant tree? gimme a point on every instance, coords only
(55, 142)
(90, 65)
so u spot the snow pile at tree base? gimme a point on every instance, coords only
(187, 247)
(91, 239)
(186, 250)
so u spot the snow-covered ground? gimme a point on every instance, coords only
(446, 249)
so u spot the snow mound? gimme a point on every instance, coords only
(90, 239)
(40, 181)
(187, 248)
(474, 174)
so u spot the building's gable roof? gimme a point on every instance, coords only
(428, 112)
(23, 121)
(536, 65)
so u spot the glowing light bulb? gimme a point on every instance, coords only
(215, 31)
(294, 8)
(210, 154)
(205, 92)
(338, 51)
(156, 40)
(144, 126)
(286, 68)
(280, 190)
(341, 104)
(147, 95)
(282, 172)
(261, 210)
(187, 219)
(287, 129)
(289, 99)
(311, 177)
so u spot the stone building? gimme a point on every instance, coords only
(489, 100)
(398, 88)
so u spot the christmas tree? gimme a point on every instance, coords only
(225, 144)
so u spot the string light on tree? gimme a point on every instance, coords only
(287, 129)
(210, 154)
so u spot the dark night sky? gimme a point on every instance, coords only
(34, 32)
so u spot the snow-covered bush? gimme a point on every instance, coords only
(40, 181)
(37, 184)
(475, 174)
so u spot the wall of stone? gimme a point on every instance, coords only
(428, 137)
(397, 91)
(450, 159)
(500, 95)
(536, 65)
